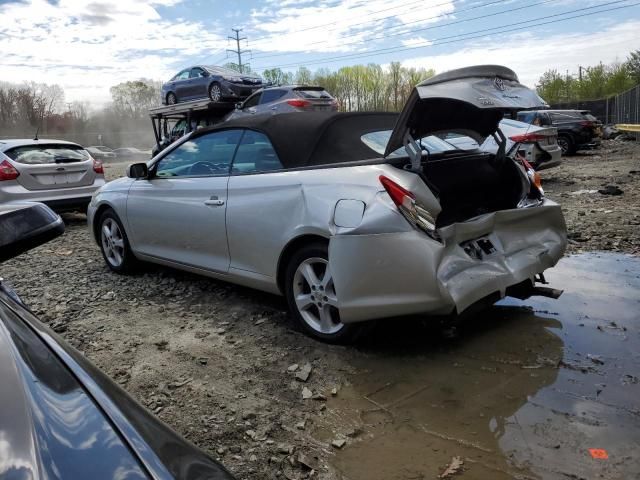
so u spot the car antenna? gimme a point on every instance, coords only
(36, 135)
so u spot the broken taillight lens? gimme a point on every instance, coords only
(406, 202)
(534, 177)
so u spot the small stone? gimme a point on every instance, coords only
(306, 393)
(248, 415)
(293, 368)
(334, 391)
(220, 331)
(203, 360)
(307, 461)
(260, 321)
(108, 296)
(285, 449)
(338, 443)
(320, 397)
(303, 374)
(251, 434)
(235, 449)
(301, 425)
(221, 450)
(253, 458)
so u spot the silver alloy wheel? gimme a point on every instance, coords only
(315, 296)
(215, 93)
(112, 242)
(171, 99)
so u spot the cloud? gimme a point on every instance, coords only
(343, 26)
(530, 55)
(416, 41)
(77, 43)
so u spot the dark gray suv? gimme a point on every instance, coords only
(216, 83)
(286, 98)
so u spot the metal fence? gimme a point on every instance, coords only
(621, 108)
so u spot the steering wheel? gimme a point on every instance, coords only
(203, 168)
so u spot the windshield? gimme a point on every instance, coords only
(227, 72)
(377, 141)
(47, 154)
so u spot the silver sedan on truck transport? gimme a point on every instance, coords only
(350, 216)
(61, 174)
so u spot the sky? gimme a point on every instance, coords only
(88, 46)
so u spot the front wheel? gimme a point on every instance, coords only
(114, 244)
(312, 297)
(215, 93)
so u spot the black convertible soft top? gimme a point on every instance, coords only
(315, 138)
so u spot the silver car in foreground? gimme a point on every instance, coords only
(306, 206)
(61, 174)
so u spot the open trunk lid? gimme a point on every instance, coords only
(470, 100)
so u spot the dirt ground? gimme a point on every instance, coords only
(522, 390)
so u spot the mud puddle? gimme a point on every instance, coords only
(524, 390)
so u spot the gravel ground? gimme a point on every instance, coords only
(222, 365)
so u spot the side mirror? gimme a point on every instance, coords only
(138, 170)
(238, 105)
(25, 226)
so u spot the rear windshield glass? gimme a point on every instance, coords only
(377, 141)
(314, 94)
(46, 154)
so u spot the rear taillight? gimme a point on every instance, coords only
(534, 177)
(412, 210)
(528, 138)
(299, 103)
(8, 171)
(97, 166)
(587, 123)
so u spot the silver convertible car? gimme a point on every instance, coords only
(351, 216)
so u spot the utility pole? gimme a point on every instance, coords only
(580, 68)
(238, 51)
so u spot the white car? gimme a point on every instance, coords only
(537, 145)
(309, 206)
(61, 174)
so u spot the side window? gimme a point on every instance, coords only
(527, 117)
(196, 73)
(269, 96)
(252, 101)
(182, 75)
(208, 155)
(255, 154)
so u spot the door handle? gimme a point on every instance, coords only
(214, 202)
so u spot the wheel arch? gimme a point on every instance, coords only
(96, 219)
(289, 250)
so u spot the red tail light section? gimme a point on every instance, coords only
(400, 196)
(528, 138)
(299, 103)
(97, 166)
(8, 171)
(587, 123)
(416, 214)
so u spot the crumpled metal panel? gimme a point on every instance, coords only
(407, 272)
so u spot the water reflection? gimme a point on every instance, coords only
(523, 392)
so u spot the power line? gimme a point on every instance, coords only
(466, 35)
(238, 51)
(368, 15)
(408, 32)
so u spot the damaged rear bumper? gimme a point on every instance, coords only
(403, 273)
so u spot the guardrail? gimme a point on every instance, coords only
(628, 127)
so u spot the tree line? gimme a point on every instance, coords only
(592, 83)
(372, 87)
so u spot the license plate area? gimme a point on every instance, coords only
(479, 248)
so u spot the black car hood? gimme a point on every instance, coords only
(469, 100)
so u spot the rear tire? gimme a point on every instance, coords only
(171, 98)
(215, 92)
(566, 144)
(114, 244)
(312, 298)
